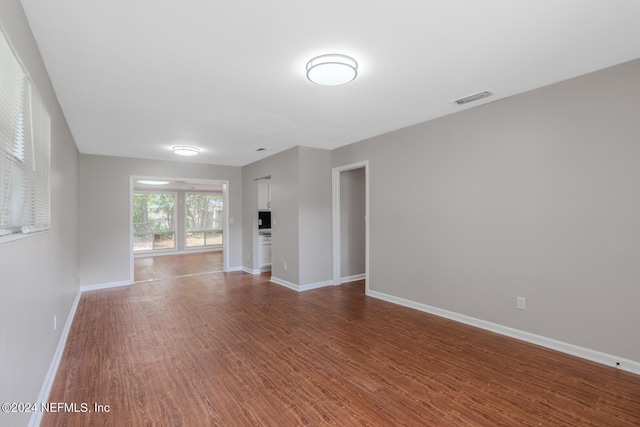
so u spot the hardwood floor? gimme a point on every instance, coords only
(169, 266)
(233, 349)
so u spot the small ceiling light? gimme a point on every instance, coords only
(152, 182)
(185, 150)
(332, 69)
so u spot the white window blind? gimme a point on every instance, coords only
(25, 150)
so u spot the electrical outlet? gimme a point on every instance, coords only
(285, 265)
(520, 303)
(55, 322)
(247, 255)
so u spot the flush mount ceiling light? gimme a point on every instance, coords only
(152, 182)
(185, 150)
(332, 69)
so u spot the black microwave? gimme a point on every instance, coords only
(264, 220)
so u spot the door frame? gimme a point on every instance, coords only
(335, 180)
(225, 222)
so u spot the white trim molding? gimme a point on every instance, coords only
(574, 350)
(250, 271)
(99, 286)
(316, 285)
(352, 278)
(284, 283)
(301, 288)
(335, 219)
(45, 390)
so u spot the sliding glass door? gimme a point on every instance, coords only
(154, 225)
(204, 220)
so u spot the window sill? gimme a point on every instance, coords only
(19, 236)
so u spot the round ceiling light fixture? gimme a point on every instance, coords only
(185, 150)
(152, 182)
(332, 69)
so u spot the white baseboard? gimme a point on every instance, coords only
(99, 286)
(574, 350)
(316, 285)
(250, 271)
(45, 390)
(232, 269)
(352, 278)
(301, 288)
(284, 283)
(257, 270)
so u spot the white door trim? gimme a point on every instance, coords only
(335, 180)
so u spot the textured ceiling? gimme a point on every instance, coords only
(136, 77)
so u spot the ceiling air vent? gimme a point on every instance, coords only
(471, 98)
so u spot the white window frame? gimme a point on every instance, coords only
(25, 151)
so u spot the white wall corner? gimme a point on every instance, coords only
(574, 350)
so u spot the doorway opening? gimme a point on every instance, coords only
(351, 223)
(263, 218)
(178, 227)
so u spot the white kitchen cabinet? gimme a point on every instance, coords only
(264, 251)
(264, 194)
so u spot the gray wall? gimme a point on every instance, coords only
(535, 196)
(283, 170)
(105, 211)
(314, 198)
(38, 278)
(301, 210)
(352, 222)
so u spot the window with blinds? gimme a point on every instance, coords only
(25, 151)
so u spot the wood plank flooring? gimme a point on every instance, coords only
(169, 266)
(231, 349)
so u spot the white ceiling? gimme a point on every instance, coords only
(136, 77)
